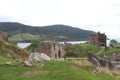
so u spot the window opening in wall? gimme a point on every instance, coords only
(59, 53)
(54, 46)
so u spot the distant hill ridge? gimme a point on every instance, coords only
(52, 32)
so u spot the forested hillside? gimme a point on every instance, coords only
(52, 32)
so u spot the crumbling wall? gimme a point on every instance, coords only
(52, 49)
(98, 39)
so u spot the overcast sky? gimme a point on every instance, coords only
(96, 15)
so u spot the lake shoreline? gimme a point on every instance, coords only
(24, 45)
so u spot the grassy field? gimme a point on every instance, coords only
(54, 70)
(26, 36)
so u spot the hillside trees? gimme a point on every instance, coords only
(114, 43)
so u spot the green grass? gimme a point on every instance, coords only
(4, 59)
(81, 50)
(26, 36)
(52, 70)
(110, 51)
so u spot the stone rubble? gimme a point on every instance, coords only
(112, 62)
(40, 57)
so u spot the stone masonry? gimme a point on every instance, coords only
(98, 39)
(52, 49)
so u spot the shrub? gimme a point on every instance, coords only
(34, 45)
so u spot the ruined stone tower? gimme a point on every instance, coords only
(98, 39)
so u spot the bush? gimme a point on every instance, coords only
(34, 45)
(114, 44)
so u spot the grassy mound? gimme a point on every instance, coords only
(81, 50)
(110, 51)
(11, 51)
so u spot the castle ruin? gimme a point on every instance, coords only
(54, 50)
(98, 39)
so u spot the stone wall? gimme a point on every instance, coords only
(98, 39)
(52, 49)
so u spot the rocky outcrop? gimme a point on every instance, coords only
(39, 57)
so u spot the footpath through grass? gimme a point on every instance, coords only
(52, 70)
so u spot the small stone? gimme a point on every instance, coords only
(8, 63)
(27, 64)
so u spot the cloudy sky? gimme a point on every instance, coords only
(96, 15)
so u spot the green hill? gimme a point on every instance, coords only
(24, 37)
(52, 32)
